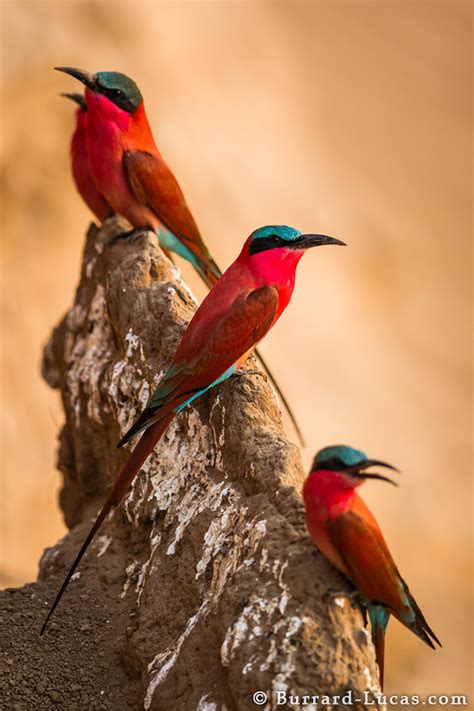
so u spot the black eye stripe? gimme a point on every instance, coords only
(119, 89)
(263, 243)
(333, 464)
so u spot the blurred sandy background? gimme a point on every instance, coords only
(347, 118)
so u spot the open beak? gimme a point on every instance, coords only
(87, 78)
(358, 470)
(77, 98)
(307, 241)
(380, 477)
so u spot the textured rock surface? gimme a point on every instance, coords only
(203, 587)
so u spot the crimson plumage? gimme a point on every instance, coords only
(132, 176)
(347, 534)
(233, 318)
(80, 163)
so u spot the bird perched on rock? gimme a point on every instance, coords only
(132, 176)
(80, 163)
(346, 533)
(130, 172)
(236, 314)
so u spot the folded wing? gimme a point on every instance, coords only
(154, 185)
(200, 363)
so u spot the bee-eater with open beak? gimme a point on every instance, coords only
(130, 172)
(344, 530)
(236, 314)
(80, 163)
(132, 176)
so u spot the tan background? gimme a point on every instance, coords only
(347, 118)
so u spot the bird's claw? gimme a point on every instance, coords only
(337, 597)
(333, 595)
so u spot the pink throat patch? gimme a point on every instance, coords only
(100, 106)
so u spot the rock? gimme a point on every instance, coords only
(203, 587)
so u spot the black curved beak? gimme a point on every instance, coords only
(87, 78)
(376, 463)
(380, 477)
(307, 241)
(358, 470)
(77, 98)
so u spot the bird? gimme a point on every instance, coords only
(236, 314)
(346, 533)
(130, 171)
(80, 163)
(133, 177)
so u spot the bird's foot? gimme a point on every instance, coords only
(338, 596)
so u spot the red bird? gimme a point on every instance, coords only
(132, 176)
(236, 314)
(346, 533)
(80, 163)
(130, 172)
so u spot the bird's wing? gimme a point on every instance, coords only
(360, 543)
(371, 567)
(204, 360)
(154, 185)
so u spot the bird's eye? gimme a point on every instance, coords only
(117, 92)
(334, 464)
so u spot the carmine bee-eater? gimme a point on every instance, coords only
(344, 530)
(132, 176)
(236, 314)
(80, 163)
(130, 172)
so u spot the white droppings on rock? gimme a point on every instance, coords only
(285, 661)
(221, 528)
(162, 664)
(130, 571)
(205, 705)
(263, 560)
(192, 505)
(176, 272)
(266, 611)
(219, 439)
(113, 389)
(102, 542)
(372, 684)
(75, 576)
(283, 602)
(142, 575)
(249, 666)
(133, 344)
(261, 526)
(89, 358)
(144, 393)
(251, 619)
(137, 493)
